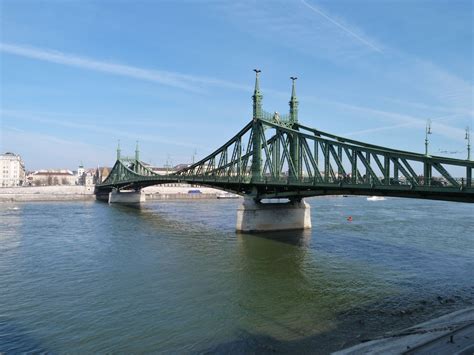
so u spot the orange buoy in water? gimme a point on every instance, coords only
(349, 218)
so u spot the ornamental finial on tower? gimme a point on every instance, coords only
(257, 96)
(293, 102)
(118, 150)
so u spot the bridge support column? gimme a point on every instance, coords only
(260, 217)
(126, 197)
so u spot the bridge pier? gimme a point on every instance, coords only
(255, 216)
(126, 197)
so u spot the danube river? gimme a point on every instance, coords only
(173, 276)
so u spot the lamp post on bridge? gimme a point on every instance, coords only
(427, 132)
(468, 138)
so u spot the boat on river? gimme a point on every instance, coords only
(376, 198)
(227, 195)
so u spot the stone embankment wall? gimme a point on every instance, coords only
(179, 193)
(46, 193)
(81, 193)
(180, 196)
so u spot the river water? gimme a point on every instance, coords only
(173, 276)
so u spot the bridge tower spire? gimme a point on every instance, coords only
(137, 152)
(257, 96)
(118, 150)
(257, 130)
(293, 102)
(295, 153)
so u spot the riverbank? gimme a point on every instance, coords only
(86, 193)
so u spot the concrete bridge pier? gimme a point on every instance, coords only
(255, 216)
(126, 197)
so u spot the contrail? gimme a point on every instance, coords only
(345, 29)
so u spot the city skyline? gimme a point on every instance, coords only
(114, 72)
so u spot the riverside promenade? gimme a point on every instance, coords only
(452, 333)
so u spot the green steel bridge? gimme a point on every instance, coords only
(274, 156)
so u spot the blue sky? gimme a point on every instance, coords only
(76, 76)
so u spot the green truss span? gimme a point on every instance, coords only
(274, 156)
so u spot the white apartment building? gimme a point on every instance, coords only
(12, 170)
(80, 174)
(52, 177)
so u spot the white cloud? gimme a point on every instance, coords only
(453, 133)
(41, 150)
(178, 80)
(444, 86)
(380, 129)
(110, 132)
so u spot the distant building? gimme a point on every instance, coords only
(181, 167)
(12, 170)
(88, 177)
(162, 170)
(51, 177)
(167, 169)
(101, 173)
(80, 175)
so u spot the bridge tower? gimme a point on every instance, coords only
(131, 196)
(257, 130)
(255, 216)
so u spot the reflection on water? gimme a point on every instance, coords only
(10, 223)
(275, 305)
(299, 238)
(173, 276)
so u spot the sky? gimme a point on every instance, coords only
(77, 76)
